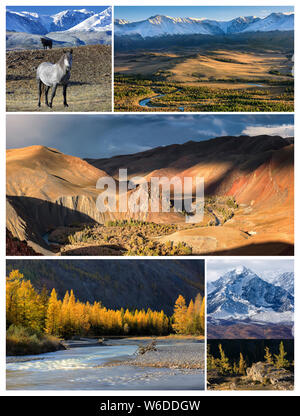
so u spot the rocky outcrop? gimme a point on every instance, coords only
(15, 247)
(267, 373)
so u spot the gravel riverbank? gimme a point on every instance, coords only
(169, 354)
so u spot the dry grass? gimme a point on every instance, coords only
(191, 67)
(229, 64)
(220, 79)
(90, 86)
(25, 341)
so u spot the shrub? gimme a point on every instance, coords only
(24, 341)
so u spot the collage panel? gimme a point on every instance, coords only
(59, 58)
(250, 324)
(142, 185)
(204, 58)
(105, 324)
(135, 132)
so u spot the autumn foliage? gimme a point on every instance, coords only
(189, 320)
(27, 307)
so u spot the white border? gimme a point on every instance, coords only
(108, 393)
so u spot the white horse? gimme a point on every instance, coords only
(52, 75)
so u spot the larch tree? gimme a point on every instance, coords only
(180, 315)
(53, 319)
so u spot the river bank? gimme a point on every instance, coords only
(112, 366)
(174, 353)
(21, 341)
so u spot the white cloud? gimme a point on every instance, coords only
(283, 130)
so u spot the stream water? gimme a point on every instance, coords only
(146, 102)
(256, 85)
(45, 237)
(80, 369)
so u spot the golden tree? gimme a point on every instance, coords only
(53, 318)
(180, 315)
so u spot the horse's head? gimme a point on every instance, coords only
(68, 59)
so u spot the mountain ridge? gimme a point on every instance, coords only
(160, 25)
(240, 294)
(128, 283)
(69, 20)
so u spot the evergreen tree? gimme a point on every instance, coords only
(210, 360)
(223, 362)
(202, 315)
(13, 284)
(242, 365)
(53, 318)
(280, 360)
(180, 315)
(268, 356)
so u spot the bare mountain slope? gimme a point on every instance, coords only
(47, 189)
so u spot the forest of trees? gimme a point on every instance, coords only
(225, 366)
(28, 308)
(189, 319)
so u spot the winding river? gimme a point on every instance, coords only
(146, 102)
(81, 368)
(45, 237)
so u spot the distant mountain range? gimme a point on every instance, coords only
(240, 294)
(67, 20)
(66, 28)
(164, 25)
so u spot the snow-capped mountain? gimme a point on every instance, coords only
(210, 287)
(95, 23)
(164, 25)
(275, 21)
(78, 20)
(241, 294)
(27, 22)
(286, 281)
(69, 18)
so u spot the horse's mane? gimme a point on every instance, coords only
(60, 62)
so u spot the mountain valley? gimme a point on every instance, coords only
(249, 189)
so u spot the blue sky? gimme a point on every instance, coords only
(50, 10)
(105, 135)
(263, 268)
(134, 13)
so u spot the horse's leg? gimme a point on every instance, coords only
(40, 92)
(65, 95)
(46, 94)
(52, 95)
